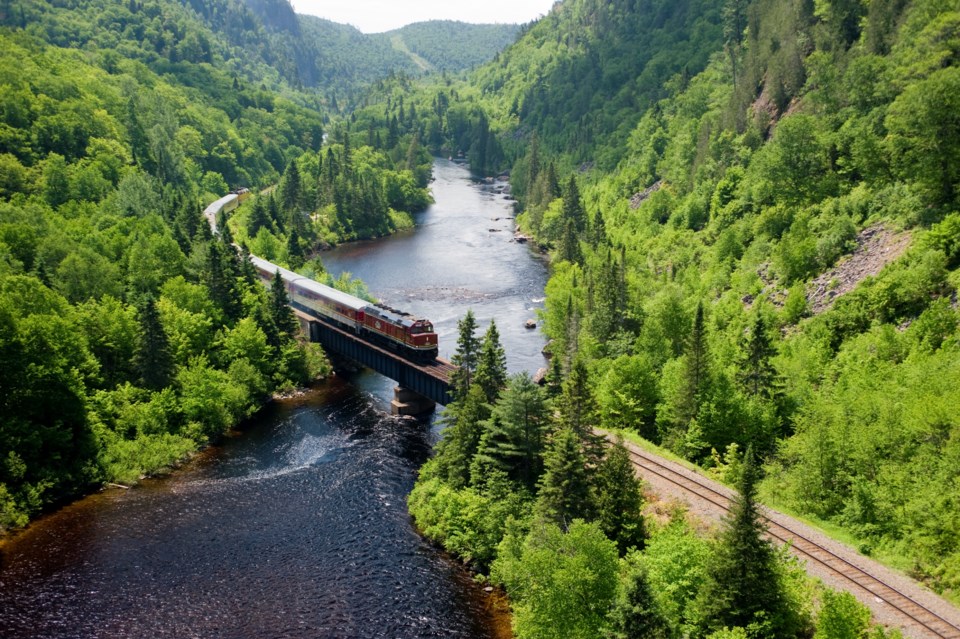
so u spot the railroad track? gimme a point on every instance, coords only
(912, 611)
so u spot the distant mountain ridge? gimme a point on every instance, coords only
(263, 41)
(327, 51)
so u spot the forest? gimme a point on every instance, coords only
(132, 336)
(754, 248)
(752, 212)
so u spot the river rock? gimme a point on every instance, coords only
(530, 323)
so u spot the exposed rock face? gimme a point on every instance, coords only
(638, 198)
(876, 247)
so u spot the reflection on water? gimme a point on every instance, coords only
(296, 527)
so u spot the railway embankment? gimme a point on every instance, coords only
(894, 599)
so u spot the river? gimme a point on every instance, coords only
(296, 525)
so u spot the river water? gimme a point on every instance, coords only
(296, 526)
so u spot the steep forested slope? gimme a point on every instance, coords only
(764, 168)
(778, 138)
(132, 336)
(262, 40)
(582, 75)
(452, 46)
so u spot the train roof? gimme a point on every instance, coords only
(339, 297)
(393, 315)
(216, 205)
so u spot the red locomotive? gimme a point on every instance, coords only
(411, 336)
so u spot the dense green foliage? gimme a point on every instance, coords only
(337, 194)
(258, 41)
(711, 188)
(447, 45)
(776, 141)
(518, 488)
(130, 337)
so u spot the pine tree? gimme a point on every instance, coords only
(491, 364)
(755, 372)
(609, 301)
(598, 230)
(219, 280)
(564, 489)
(294, 250)
(291, 190)
(533, 161)
(514, 436)
(619, 498)
(247, 270)
(461, 437)
(573, 206)
(554, 380)
(570, 244)
(273, 212)
(578, 410)
(465, 358)
(280, 309)
(223, 229)
(258, 219)
(696, 372)
(153, 359)
(742, 585)
(635, 614)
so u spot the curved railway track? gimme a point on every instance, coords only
(911, 611)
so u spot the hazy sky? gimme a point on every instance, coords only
(375, 16)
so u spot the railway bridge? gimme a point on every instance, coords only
(420, 386)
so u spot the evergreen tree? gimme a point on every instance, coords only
(533, 161)
(756, 372)
(153, 359)
(573, 206)
(461, 437)
(696, 371)
(294, 250)
(280, 309)
(553, 183)
(491, 364)
(265, 322)
(219, 280)
(578, 410)
(258, 218)
(570, 244)
(223, 229)
(291, 190)
(273, 212)
(564, 489)
(635, 613)
(514, 436)
(742, 586)
(734, 23)
(465, 358)
(598, 229)
(247, 271)
(609, 301)
(619, 499)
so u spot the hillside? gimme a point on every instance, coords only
(446, 45)
(131, 337)
(703, 189)
(262, 40)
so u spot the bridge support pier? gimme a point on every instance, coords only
(407, 402)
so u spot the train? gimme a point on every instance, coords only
(412, 337)
(227, 203)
